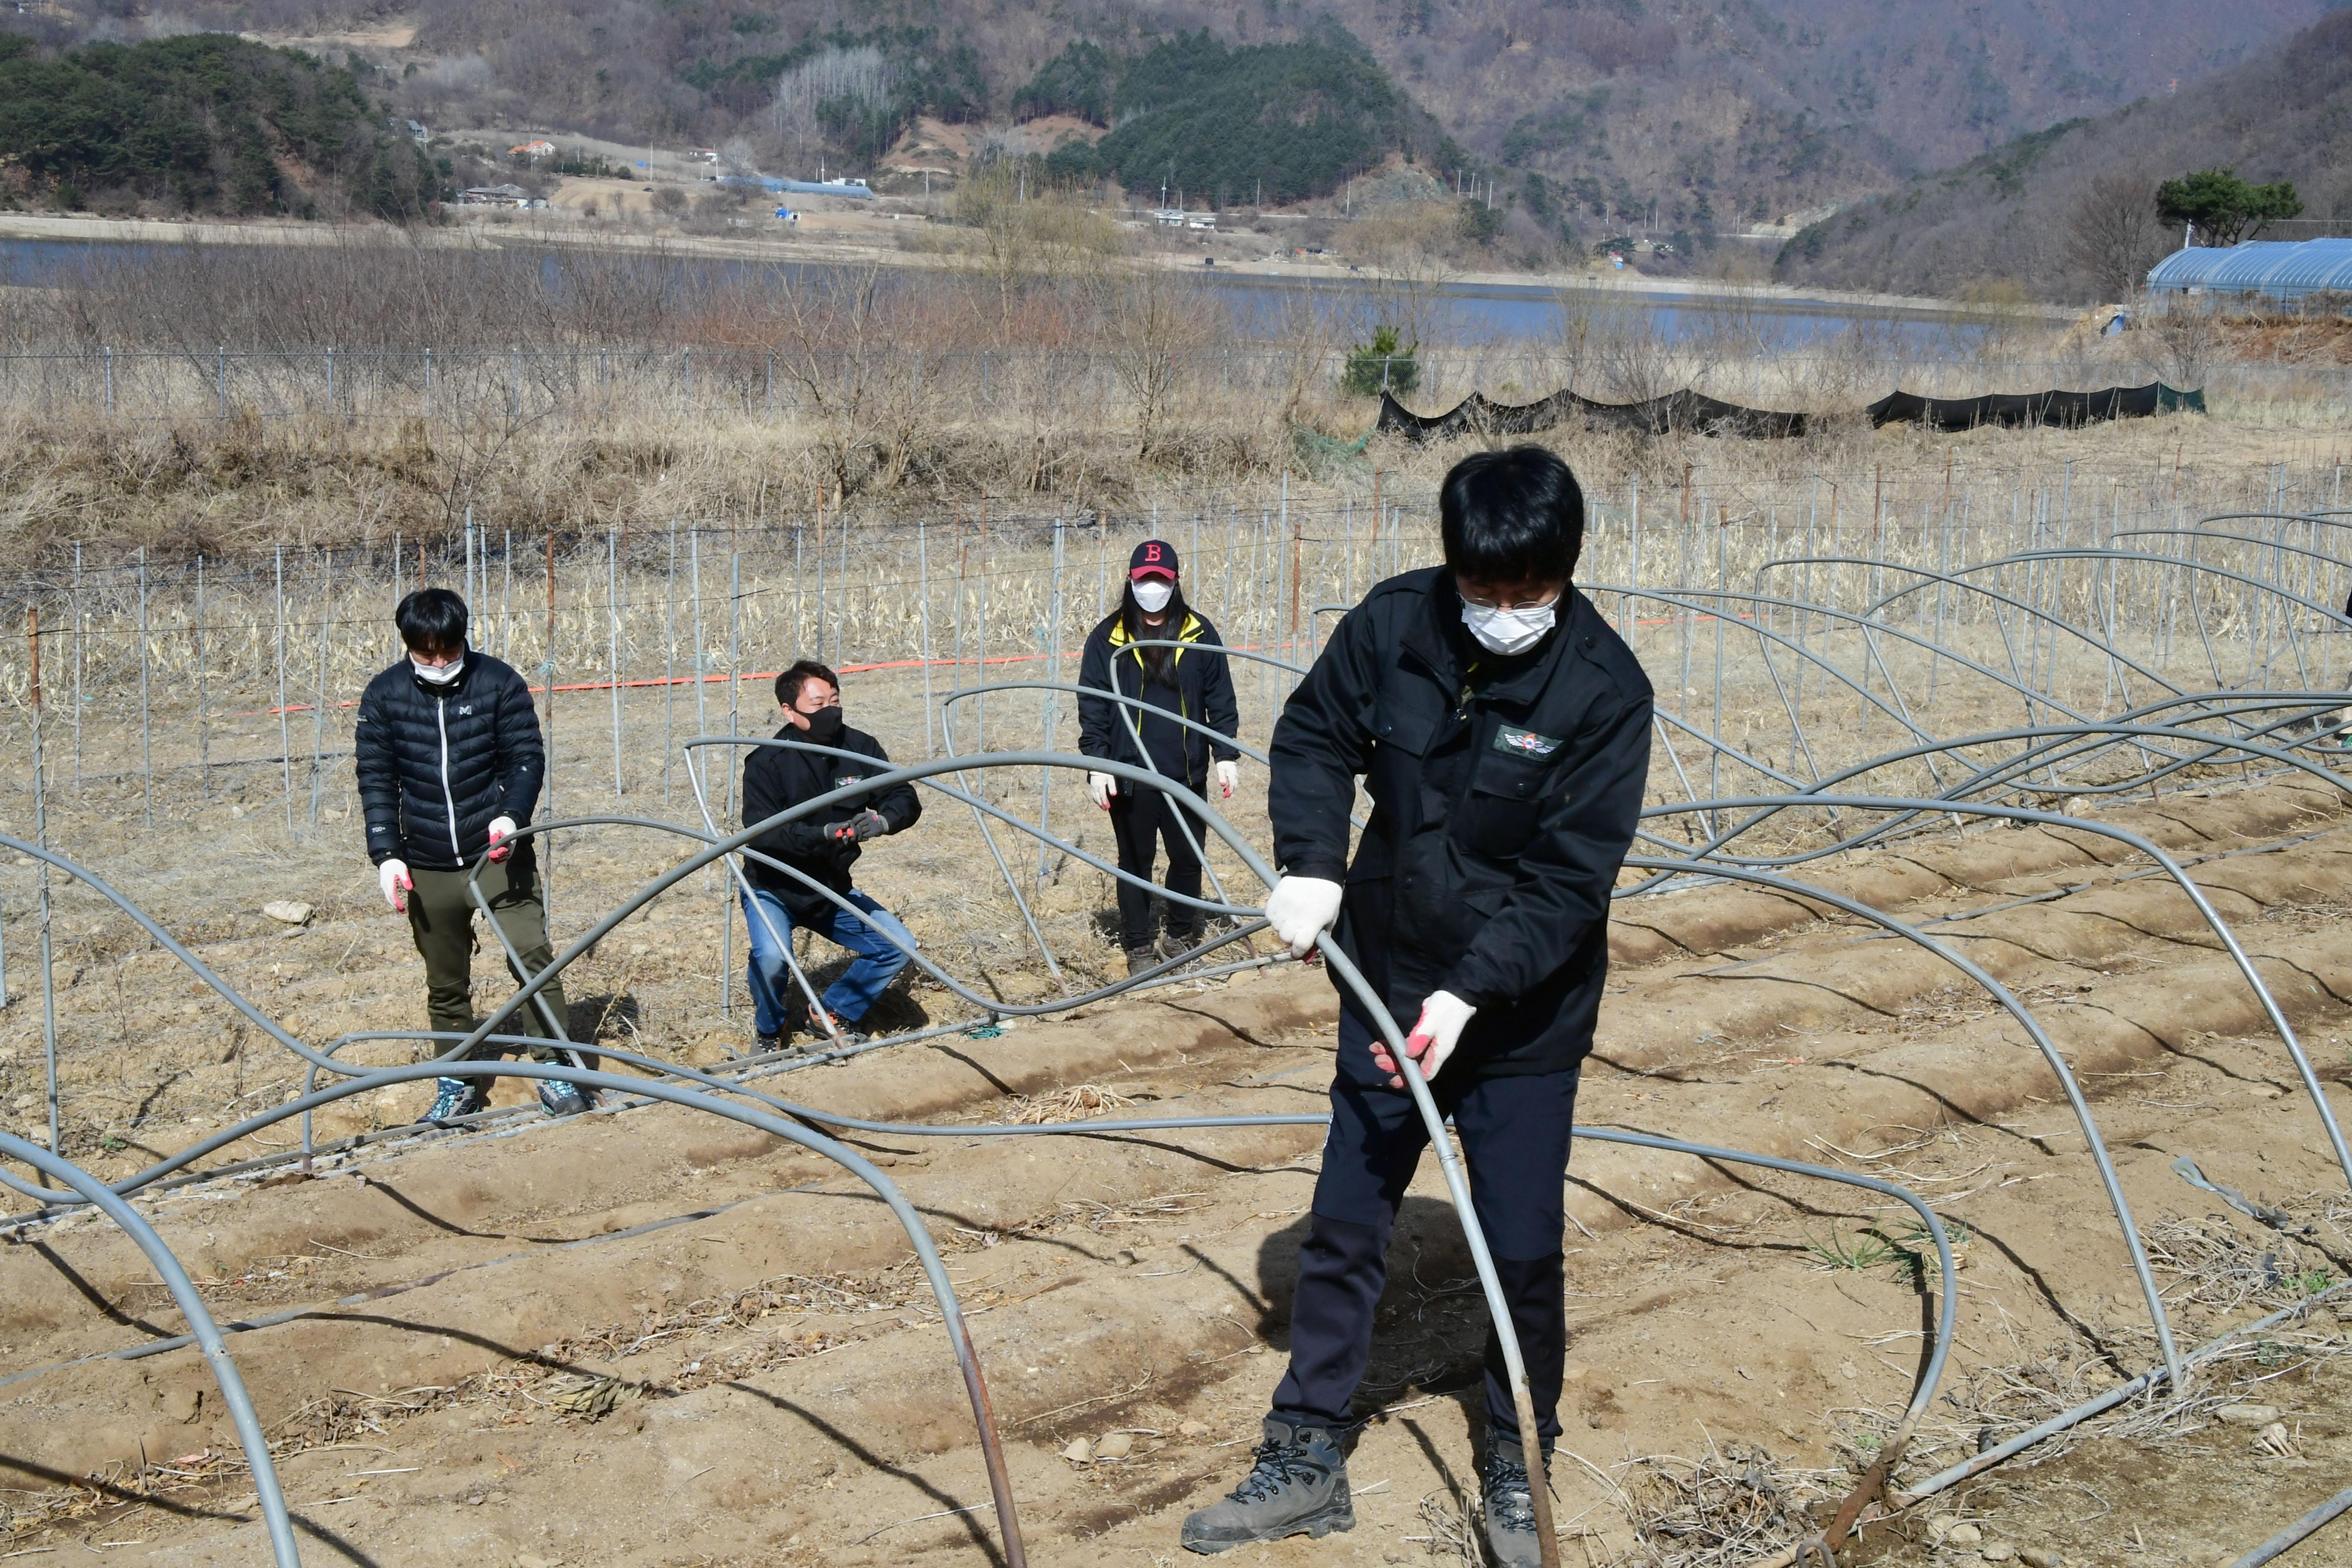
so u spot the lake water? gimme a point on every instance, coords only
(1461, 314)
(1489, 312)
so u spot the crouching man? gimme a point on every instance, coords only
(808, 698)
(1502, 732)
(449, 766)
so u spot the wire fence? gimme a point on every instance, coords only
(182, 677)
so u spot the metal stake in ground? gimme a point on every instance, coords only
(670, 660)
(146, 731)
(923, 579)
(285, 730)
(613, 641)
(81, 635)
(734, 713)
(203, 707)
(319, 704)
(547, 861)
(41, 838)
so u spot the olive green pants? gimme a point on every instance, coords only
(441, 918)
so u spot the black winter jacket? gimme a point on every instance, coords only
(1504, 795)
(1200, 687)
(776, 778)
(439, 764)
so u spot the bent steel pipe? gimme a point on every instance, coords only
(207, 1333)
(2009, 1003)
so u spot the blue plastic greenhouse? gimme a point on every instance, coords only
(2275, 268)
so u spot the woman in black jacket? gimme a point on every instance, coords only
(1191, 681)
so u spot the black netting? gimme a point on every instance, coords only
(1695, 412)
(2066, 409)
(1686, 411)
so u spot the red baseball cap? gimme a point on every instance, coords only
(1153, 558)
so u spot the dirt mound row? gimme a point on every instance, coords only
(778, 1390)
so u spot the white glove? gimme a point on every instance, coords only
(1433, 1039)
(1229, 775)
(1100, 785)
(502, 828)
(393, 875)
(1301, 908)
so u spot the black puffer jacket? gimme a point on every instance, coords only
(439, 764)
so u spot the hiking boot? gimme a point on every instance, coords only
(1175, 943)
(560, 1098)
(459, 1097)
(764, 1045)
(1509, 1504)
(1298, 1487)
(1139, 959)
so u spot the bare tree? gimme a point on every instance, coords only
(2187, 338)
(1153, 322)
(2112, 238)
(736, 157)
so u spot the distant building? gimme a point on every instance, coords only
(498, 197)
(857, 190)
(534, 149)
(414, 130)
(700, 155)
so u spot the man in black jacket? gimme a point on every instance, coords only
(1502, 730)
(449, 767)
(821, 849)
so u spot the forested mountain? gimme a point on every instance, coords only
(1693, 112)
(2045, 210)
(1271, 122)
(199, 123)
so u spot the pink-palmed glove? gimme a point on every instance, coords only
(397, 884)
(1433, 1039)
(501, 829)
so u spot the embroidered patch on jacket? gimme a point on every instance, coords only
(1524, 743)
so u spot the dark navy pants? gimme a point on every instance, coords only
(1515, 1136)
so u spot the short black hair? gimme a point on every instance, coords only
(1512, 515)
(789, 684)
(431, 620)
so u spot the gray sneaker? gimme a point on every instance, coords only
(1298, 1487)
(1509, 1507)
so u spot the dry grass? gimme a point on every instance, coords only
(1071, 1104)
(1729, 1506)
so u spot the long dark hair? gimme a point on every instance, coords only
(1130, 616)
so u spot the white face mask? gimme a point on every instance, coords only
(1508, 631)
(1153, 594)
(437, 674)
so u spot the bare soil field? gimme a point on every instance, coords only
(645, 1337)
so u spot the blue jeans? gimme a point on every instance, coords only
(847, 998)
